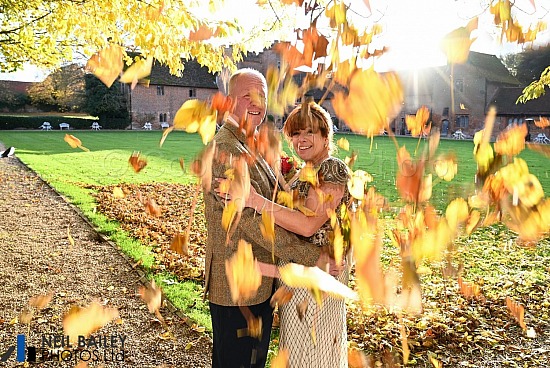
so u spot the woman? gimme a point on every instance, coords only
(314, 335)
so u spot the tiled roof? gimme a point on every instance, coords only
(491, 68)
(194, 75)
(505, 103)
(16, 86)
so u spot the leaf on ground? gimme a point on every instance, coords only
(517, 311)
(469, 289)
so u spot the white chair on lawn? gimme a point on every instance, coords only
(459, 135)
(46, 126)
(64, 125)
(541, 138)
(164, 125)
(95, 126)
(147, 126)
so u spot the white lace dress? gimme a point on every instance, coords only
(319, 337)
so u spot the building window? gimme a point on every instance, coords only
(459, 84)
(445, 111)
(160, 90)
(462, 121)
(163, 117)
(192, 92)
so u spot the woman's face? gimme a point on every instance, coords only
(250, 101)
(310, 147)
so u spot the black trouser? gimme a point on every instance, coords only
(231, 351)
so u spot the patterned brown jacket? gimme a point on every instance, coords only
(230, 140)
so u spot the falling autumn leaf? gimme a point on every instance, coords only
(343, 143)
(137, 162)
(511, 141)
(138, 70)
(456, 44)
(74, 142)
(82, 321)
(41, 301)
(281, 296)
(372, 101)
(313, 278)
(152, 296)
(243, 273)
(415, 123)
(152, 208)
(281, 359)
(107, 64)
(179, 244)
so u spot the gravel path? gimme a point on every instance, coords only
(37, 258)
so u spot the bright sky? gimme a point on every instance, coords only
(412, 29)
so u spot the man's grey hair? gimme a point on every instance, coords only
(244, 71)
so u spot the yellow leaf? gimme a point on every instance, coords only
(357, 183)
(343, 143)
(309, 174)
(313, 278)
(243, 273)
(82, 321)
(446, 167)
(267, 226)
(138, 70)
(118, 193)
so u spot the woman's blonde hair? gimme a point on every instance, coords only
(313, 116)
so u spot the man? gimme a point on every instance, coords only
(248, 89)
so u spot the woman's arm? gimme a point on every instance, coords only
(296, 221)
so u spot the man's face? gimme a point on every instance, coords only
(250, 99)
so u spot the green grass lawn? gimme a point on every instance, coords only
(486, 254)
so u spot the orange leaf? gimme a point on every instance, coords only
(517, 310)
(137, 162)
(372, 101)
(468, 289)
(221, 103)
(281, 296)
(152, 296)
(74, 142)
(40, 301)
(179, 244)
(152, 208)
(543, 122)
(281, 359)
(512, 141)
